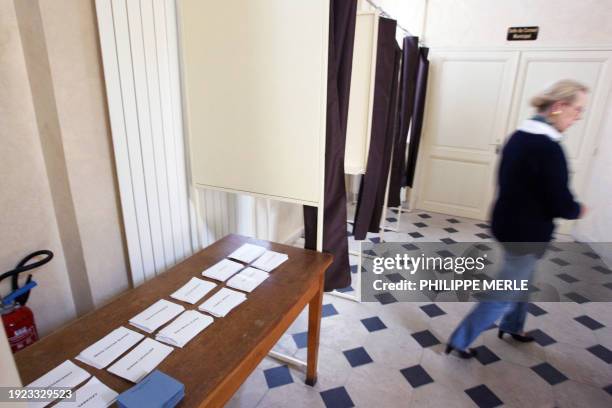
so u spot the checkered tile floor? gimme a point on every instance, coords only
(391, 354)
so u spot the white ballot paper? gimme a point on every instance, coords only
(67, 375)
(193, 290)
(248, 279)
(222, 302)
(141, 361)
(184, 328)
(247, 253)
(221, 271)
(94, 394)
(156, 315)
(270, 260)
(109, 348)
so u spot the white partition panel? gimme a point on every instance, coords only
(361, 100)
(254, 82)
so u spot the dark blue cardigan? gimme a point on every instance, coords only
(533, 189)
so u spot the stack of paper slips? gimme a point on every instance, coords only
(158, 390)
(67, 375)
(221, 271)
(193, 290)
(156, 315)
(247, 253)
(141, 361)
(109, 348)
(270, 260)
(184, 328)
(94, 394)
(248, 279)
(222, 302)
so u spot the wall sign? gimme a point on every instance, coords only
(522, 33)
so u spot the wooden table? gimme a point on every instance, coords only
(216, 362)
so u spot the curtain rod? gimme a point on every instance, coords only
(385, 14)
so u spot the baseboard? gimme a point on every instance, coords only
(293, 236)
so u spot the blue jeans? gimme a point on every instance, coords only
(512, 313)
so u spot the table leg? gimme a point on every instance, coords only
(315, 308)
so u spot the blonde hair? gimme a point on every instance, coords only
(564, 90)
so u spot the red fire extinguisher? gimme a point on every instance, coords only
(17, 318)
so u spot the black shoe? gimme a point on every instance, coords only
(463, 354)
(517, 337)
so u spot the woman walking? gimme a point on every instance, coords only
(533, 191)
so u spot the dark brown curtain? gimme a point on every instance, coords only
(408, 78)
(342, 16)
(373, 183)
(417, 115)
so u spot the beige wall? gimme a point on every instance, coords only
(76, 67)
(467, 23)
(56, 173)
(27, 217)
(563, 23)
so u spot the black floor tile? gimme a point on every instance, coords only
(373, 324)
(425, 338)
(483, 397)
(385, 298)
(329, 310)
(559, 261)
(394, 277)
(425, 216)
(300, 339)
(420, 224)
(542, 338)
(535, 310)
(453, 221)
(549, 373)
(567, 278)
(450, 230)
(357, 356)
(416, 376)
(591, 255)
(337, 398)
(347, 289)
(482, 235)
(603, 269)
(410, 247)
(415, 234)
(485, 356)
(589, 322)
(576, 297)
(602, 352)
(433, 310)
(277, 376)
(448, 241)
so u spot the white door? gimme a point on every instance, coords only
(468, 100)
(537, 70)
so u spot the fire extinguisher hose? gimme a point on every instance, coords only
(22, 296)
